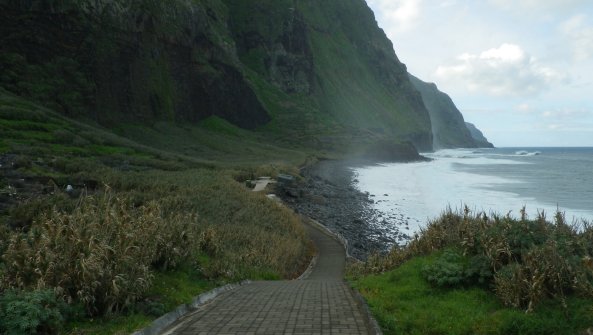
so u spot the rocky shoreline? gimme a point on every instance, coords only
(327, 195)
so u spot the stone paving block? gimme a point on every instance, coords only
(320, 304)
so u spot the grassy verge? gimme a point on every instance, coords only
(405, 303)
(169, 289)
(474, 274)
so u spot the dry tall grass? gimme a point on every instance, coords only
(104, 252)
(100, 254)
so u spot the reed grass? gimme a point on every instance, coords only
(105, 252)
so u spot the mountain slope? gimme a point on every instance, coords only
(448, 126)
(321, 74)
(115, 61)
(478, 137)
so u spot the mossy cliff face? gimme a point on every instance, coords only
(133, 60)
(301, 67)
(448, 127)
(478, 136)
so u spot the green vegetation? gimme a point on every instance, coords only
(143, 229)
(474, 274)
(448, 127)
(123, 157)
(305, 75)
(404, 302)
(31, 312)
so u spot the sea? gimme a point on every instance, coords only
(501, 181)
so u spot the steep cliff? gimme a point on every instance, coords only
(479, 138)
(448, 126)
(318, 72)
(127, 60)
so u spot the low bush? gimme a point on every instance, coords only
(34, 312)
(447, 270)
(527, 261)
(454, 269)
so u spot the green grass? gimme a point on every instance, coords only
(174, 288)
(405, 303)
(190, 170)
(217, 124)
(170, 289)
(215, 142)
(4, 147)
(109, 150)
(110, 325)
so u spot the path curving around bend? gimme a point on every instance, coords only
(321, 303)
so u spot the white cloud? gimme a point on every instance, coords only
(524, 108)
(504, 71)
(567, 114)
(580, 35)
(555, 126)
(448, 3)
(540, 6)
(401, 14)
(566, 119)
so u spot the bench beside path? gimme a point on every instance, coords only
(321, 303)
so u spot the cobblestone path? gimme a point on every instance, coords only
(320, 304)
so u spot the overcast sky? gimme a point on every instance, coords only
(521, 70)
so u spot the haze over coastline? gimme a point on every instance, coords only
(516, 69)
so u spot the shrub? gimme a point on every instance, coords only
(33, 312)
(22, 162)
(454, 269)
(509, 287)
(23, 215)
(529, 260)
(447, 270)
(100, 254)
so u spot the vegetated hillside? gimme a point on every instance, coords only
(480, 139)
(128, 231)
(320, 74)
(448, 127)
(115, 61)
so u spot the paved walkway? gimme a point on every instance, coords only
(320, 304)
(261, 183)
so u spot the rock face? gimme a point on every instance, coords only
(448, 127)
(127, 60)
(322, 71)
(481, 141)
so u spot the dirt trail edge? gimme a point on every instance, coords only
(321, 303)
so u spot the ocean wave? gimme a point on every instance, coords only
(527, 153)
(452, 153)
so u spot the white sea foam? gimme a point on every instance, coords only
(421, 191)
(527, 153)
